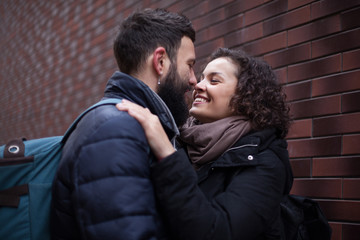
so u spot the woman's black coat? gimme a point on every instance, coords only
(235, 197)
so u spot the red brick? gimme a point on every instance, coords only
(342, 82)
(337, 43)
(201, 38)
(98, 40)
(187, 7)
(315, 147)
(287, 20)
(351, 60)
(298, 3)
(204, 50)
(341, 210)
(336, 233)
(241, 6)
(201, 8)
(314, 68)
(199, 66)
(339, 166)
(289, 56)
(316, 107)
(351, 188)
(218, 4)
(298, 91)
(244, 35)
(350, 18)
(215, 20)
(351, 144)
(314, 30)
(224, 27)
(317, 188)
(301, 167)
(181, 6)
(281, 75)
(300, 129)
(265, 11)
(350, 102)
(266, 44)
(327, 7)
(333, 125)
(99, 4)
(208, 20)
(351, 231)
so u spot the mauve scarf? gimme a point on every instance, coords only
(206, 142)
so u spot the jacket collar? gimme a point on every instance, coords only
(121, 85)
(245, 153)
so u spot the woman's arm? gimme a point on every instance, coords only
(155, 134)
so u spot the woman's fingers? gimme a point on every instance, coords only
(138, 112)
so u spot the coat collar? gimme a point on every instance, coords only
(121, 85)
(245, 153)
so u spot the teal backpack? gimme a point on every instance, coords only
(27, 170)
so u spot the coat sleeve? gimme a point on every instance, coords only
(112, 196)
(239, 212)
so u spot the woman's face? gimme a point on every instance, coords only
(213, 93)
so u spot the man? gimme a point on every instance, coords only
(102, 189)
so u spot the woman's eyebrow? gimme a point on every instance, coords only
(213, 74)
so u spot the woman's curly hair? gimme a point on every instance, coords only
(258, 94)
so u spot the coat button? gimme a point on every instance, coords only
(250, 157)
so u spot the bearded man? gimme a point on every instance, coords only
(102, 189)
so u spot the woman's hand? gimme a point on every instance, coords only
(155, 134)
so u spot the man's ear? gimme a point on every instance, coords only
(159, 59)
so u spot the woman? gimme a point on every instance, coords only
(235, 144)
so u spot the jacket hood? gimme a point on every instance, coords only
(121, 85)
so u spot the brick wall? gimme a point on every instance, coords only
(56, 57)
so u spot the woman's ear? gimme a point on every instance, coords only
(159, 59)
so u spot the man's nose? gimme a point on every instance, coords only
(192, 79)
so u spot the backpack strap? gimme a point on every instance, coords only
(11, 197)
(108, 101)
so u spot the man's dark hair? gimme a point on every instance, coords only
(143, 31)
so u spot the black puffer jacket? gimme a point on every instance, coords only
(236, 197)
(103, 188)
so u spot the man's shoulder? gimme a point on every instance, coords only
(108, 120)
(105, 113)
(104, 123)
(104, 126)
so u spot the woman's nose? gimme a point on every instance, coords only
(200, 86)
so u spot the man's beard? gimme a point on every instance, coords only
(172, 92)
